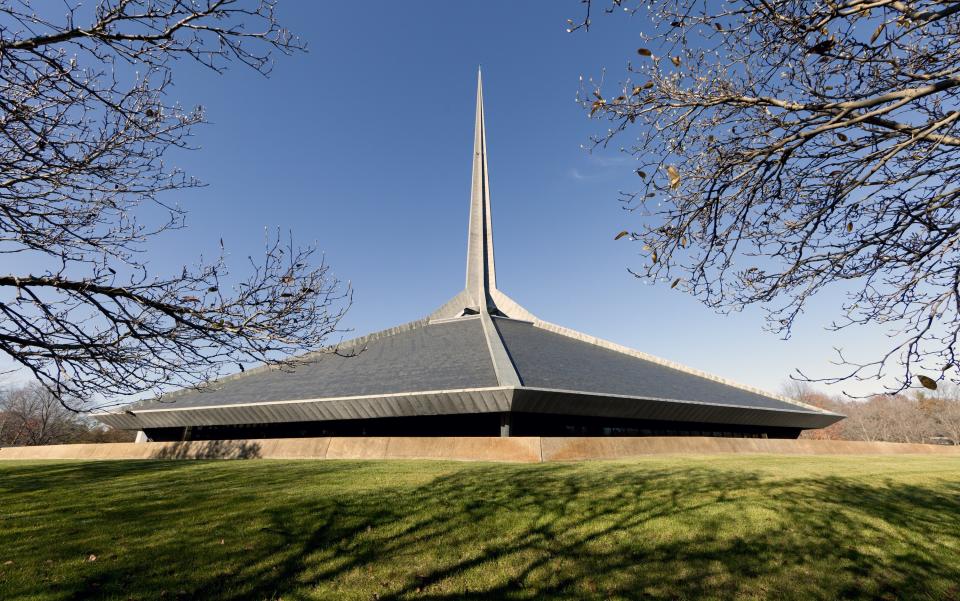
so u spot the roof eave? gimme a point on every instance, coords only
(465, 401)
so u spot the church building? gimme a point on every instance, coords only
(480, 365)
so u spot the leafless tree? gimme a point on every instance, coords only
(914, 419)
(949, 419)
(86, 121)
(31, 415)
(921, 417)
(806, 393)
(787, 146)
(945, 409)
(876, 419)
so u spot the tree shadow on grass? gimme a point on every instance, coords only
(511, 532)
(213, 449)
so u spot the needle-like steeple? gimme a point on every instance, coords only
(481, 274)
(480, 294)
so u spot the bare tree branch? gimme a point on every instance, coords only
(86, 120)
(784, 147)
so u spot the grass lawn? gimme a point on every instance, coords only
(731, 527)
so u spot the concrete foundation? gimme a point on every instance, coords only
(514, 449)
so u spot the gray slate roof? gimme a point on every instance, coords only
(442, 356)
(453, 355)
(548, 360)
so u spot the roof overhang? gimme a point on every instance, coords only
(467, 401)
(571, 402)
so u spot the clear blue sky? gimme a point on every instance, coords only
(363, 145)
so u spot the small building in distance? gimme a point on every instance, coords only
(480, 365)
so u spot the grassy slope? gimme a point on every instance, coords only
(669, 527)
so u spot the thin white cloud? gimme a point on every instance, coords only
(617, 160)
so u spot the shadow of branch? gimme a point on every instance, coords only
(214, 449)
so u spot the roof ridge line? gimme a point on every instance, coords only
(503, 367)
(404, 327)
(626, 350)
(442, 320)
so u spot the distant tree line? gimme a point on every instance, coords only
(31, 415)
(922, 417)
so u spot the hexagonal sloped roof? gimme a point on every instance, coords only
(450, 366)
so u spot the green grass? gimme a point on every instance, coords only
(732, 527)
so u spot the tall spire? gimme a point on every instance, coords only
(481, 275)
(480, 294)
